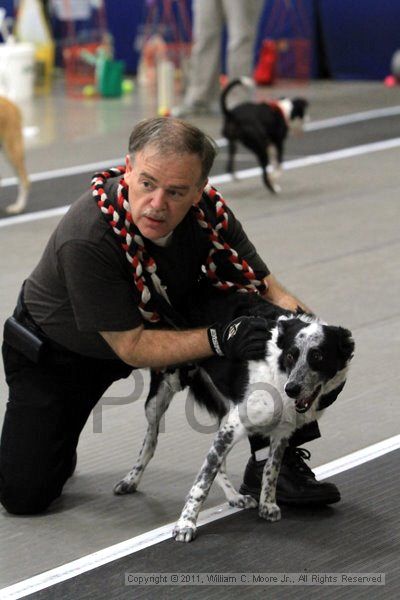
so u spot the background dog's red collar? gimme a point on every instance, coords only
(274, 104)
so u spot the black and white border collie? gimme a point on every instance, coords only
(305, 366)
(262, 128)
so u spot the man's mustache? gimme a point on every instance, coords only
(157, 215)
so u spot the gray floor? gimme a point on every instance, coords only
(309, 542)
(332, 237)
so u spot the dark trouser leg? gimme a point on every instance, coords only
(49, 404)
(301, 436)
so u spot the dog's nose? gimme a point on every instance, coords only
(292, 389)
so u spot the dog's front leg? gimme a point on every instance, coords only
(273, 154)
(162, 390)
(268, 509)
(227, 436)
(230, 165)
(233, 497)
(14, 148)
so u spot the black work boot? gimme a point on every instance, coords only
(296, 486)
(73, 464)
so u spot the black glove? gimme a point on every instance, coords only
(244, 338)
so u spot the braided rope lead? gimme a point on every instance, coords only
(253, 285)
(121, 222)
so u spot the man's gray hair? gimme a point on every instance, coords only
(174, 136)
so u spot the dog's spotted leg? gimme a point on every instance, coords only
(230, 433)
(232, 496)
(268, 509)
(162, 389)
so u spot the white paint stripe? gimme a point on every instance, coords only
(390, 111)
(358, 458)
(297, 163)
(367, 115)
(105, 556)
(150, 538)
(315, 159)
(35, 216)
(222, 142)
(66, 171)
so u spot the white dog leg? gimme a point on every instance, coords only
(232, 496)
(20, 204)
(227, 436)
(156, 405)
(268, 509)
(276, 171)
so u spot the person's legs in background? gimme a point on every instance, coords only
(209, 18)
(202, 92)
(242, 20)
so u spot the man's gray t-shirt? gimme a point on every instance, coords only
(84, 284)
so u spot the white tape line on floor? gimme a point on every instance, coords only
(150, 538)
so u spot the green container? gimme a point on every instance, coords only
(110, 77)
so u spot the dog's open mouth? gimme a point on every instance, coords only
(303, 404)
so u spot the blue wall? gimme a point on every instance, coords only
(299, 21)
(124, 18)
(360, 36)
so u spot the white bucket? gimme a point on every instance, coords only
(17, 70)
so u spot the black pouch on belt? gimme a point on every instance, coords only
(22, 338)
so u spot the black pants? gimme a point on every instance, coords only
(49, 404)
(301, 436)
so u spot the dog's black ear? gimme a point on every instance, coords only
(283, 325)
(346, 343)
(287, 330)
(300, 101)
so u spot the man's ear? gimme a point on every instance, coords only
(128, 167)
(200, 191)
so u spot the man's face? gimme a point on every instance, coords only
(161, 190)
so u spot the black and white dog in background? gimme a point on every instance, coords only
(305, 366)
(261, 127)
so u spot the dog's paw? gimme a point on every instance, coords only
(277, 188)
(14, 209)
(125, 487)
(243, 501)
(184, 532)
(270, 511)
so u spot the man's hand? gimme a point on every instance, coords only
(244, 338)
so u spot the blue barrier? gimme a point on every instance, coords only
(360, 37)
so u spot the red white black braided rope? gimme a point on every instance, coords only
(253, 285)
(121, 222)
(120, 219)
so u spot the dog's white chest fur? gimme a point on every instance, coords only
(266, 407)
